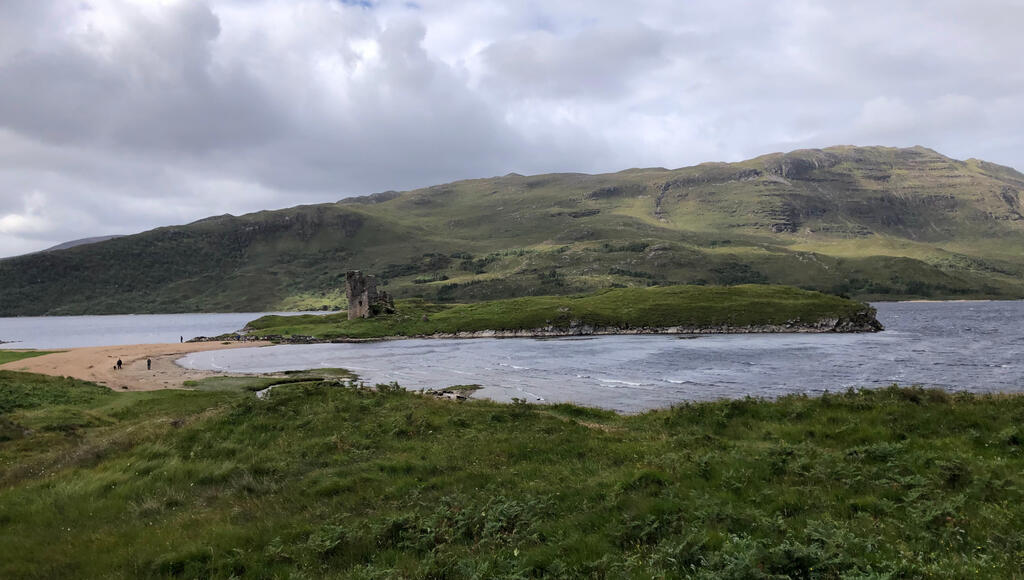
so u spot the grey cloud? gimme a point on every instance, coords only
(596, 63)
(18, 27)
(406, 117)
(155, 87)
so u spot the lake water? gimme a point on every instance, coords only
(75, 331)
(972, 346)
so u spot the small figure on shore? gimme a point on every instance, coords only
(149, 364)
(181, 339)
(118, 364)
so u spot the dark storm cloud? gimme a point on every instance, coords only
(120, 115)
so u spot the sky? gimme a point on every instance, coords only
(117, 116)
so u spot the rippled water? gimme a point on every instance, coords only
(973, 346)
(75, 331)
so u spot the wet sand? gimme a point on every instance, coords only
(96, 364)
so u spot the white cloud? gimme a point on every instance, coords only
(883, 115)
(30, 220)
(597, 63)
(129, 114)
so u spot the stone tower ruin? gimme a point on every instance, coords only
(363, 299)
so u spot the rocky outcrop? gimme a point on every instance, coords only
(611, 191)
(801, 164)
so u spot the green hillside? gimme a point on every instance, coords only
(872, 223)
(323, 479)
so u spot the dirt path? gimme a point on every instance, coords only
(96, 363)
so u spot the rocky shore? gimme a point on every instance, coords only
(822, 326)
(865, 322)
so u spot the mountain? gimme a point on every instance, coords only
(869, 222)
(80, 242)
(73, 243)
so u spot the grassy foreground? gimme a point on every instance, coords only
(322, 480)
(625, 308)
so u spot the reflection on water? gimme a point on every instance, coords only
(972, 346)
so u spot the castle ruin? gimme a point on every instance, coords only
(364, 301)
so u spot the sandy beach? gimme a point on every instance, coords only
(96, 364)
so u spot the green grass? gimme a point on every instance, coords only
(32, 391)
(258, 383)
(624, 308)
(7, 356)
(231, 383)
(321, 480)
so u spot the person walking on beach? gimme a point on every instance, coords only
(118, 364)
(149, 364)
(181, 339)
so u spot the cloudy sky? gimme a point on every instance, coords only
(117, 116)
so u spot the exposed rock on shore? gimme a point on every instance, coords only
(866, 324)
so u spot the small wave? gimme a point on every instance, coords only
(618, 382)
(515, 367)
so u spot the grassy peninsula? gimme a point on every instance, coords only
(326, 480)
(692, 308)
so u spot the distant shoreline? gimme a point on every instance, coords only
(978, 300)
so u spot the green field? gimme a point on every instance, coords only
(697, 307)
(874, 223)
(7, 356)
(322, 480)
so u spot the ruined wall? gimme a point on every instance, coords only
(363, 299)
(361, 292)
